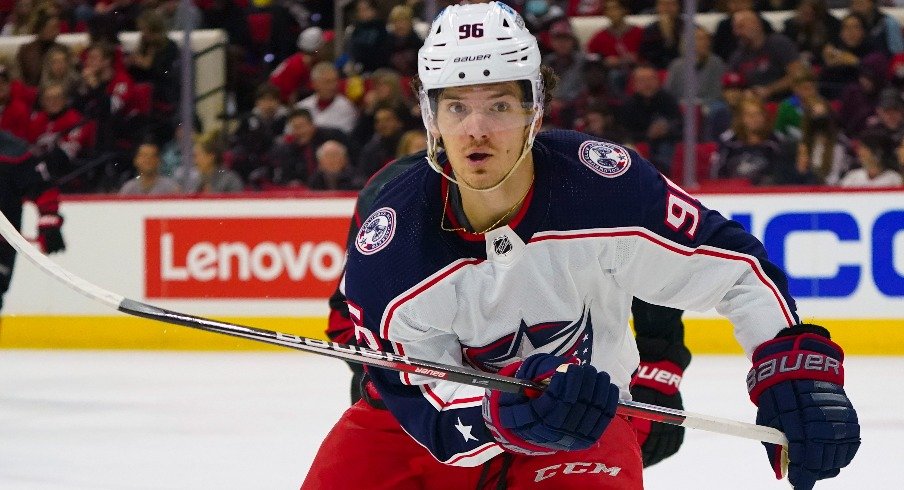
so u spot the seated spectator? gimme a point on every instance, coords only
(653, 116)
(709, 69)
(404, 42)
(294, 157)
(258, 131)
(14, 113)
(334, 172)
(368, 44)
(171, 163)
(842, 57)
(750, 150)
(859, 100)
(717, 119)
(766, 61)
(19, 21)
(329, 108)
(30, 56)
(385, 90)
(411, 142)
(56, 123)
(791, 110)
(59, 67)
(381, 149)
(661, 40)
(148, 181)
(811, 29)
(889, 118)
(539, 15)
(822, 154)
(596, 88)
(104, 95)
(587, 8)
(617, 45)
(878, 165)
(567, 60)
(210, 177)
(599, 120)
(156, 61)
(724, 40)
(293, 75)
(884, 30)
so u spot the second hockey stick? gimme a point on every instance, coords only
(363, 355)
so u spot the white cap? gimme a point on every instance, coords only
(311, 39)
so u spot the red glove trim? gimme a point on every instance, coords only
(49, 201)
(663, 376)
(339, 328)
(50, 221)
(794, 363)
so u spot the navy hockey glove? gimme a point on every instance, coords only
(570, 415)
(797, 382)
(656, 382)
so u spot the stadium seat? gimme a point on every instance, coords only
(260, 26)
(704, 156)
(142, 97)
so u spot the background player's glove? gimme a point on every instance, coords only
(656, 382)
(797, 382)
(50, 222)
(49, 234)
(570, 415)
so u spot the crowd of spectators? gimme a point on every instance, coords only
(815, 100)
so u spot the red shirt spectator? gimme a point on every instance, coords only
(619, 43)
(57, 124)
(293, 75)
(14, 113)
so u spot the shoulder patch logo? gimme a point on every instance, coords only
(376, 232)
(605, 159)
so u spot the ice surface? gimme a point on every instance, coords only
(153, 420)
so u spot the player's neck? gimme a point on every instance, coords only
(488, 210)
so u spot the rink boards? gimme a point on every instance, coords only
(272, 262)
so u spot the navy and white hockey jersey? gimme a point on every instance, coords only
(599, 226)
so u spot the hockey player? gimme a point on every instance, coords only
(659, 335)
(520, 254)
(23, 176)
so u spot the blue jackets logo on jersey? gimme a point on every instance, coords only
(564, 338)
(376, 232)
(605, 159)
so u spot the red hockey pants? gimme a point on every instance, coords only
(367, 449)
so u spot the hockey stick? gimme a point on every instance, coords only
(363, 355)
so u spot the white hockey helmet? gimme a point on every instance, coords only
(478, 44)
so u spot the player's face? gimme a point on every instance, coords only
(483, 129)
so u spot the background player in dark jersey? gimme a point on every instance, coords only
(659, 335)
(525, 263)
(24, 176)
